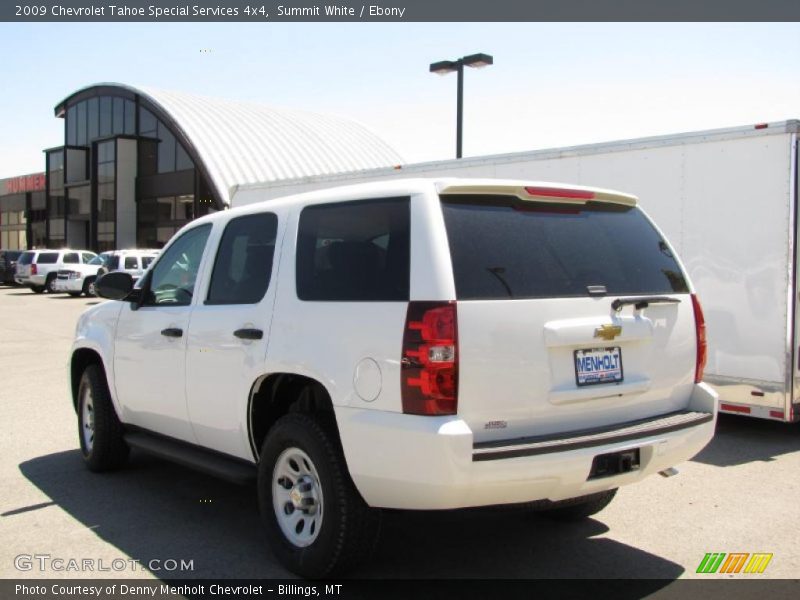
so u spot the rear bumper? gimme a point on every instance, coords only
(409, 462)
(32, 280)
(69, 285)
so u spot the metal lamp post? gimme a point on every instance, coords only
(476, 61)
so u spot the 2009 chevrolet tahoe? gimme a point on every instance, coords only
(413, 344)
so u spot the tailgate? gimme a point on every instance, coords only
(540, 366)
(547, 339)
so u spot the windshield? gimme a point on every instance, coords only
(506, 248)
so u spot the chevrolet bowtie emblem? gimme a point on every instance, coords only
(608, 332)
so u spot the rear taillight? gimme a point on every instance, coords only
(34, 270)
(429, 368)
(702, 345)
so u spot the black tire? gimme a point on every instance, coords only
(50, 283)
(37, 289)
(578, 509)
(349, 528)
(107, 450)
(88, 287)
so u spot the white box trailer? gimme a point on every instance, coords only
(727, 199)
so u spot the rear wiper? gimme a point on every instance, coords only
(498, 272)
(643, 302)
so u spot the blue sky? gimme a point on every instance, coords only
(551, 84)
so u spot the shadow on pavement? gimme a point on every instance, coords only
(741, 440)
(154, 509)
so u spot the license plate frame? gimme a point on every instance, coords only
(582, 379)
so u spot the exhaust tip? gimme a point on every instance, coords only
(671, 472)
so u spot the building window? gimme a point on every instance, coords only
(130, 117)
(105, 116)
(72, 125)
(160, 218)
(147, 123)
(106, 196)
(80, 140)
(93, 116)
(166, 149)
(55, 199)
(118, 115)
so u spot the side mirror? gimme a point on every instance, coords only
(116, 285)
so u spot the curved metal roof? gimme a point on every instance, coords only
(241, 142)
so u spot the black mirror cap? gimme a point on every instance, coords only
(116, 285)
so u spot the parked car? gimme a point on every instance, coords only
(38, 269)
(8, 265)
(79, 279)
(413, 344)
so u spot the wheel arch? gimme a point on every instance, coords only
(276, 394)
(82, 358)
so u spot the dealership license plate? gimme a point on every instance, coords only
(598, 365)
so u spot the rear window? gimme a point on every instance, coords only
(47, 258)
(26, 258)
(505, 248)
(131, 262)
(71, 258)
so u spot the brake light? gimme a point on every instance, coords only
(549, 192)
(702, 345)
(34, 270)
(429, 366)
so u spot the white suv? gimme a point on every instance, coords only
(38, 269)
(413, 344)
(79, 279)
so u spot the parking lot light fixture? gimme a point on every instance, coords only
(443, 67)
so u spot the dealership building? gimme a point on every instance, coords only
(137, 164)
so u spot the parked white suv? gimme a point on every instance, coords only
(38, 269)
(79, 279)
(413, 344)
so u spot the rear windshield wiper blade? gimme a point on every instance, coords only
(643, 301)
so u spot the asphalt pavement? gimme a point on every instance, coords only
(740, 494)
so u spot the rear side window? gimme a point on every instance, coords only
(243, 266)
(354, 251)
(47, 258)
(26, 258)
(504, 248)
(131, 262)
(71, 258)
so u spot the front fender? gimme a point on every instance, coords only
(95, 331)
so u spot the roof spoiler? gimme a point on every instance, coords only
(550, 192)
